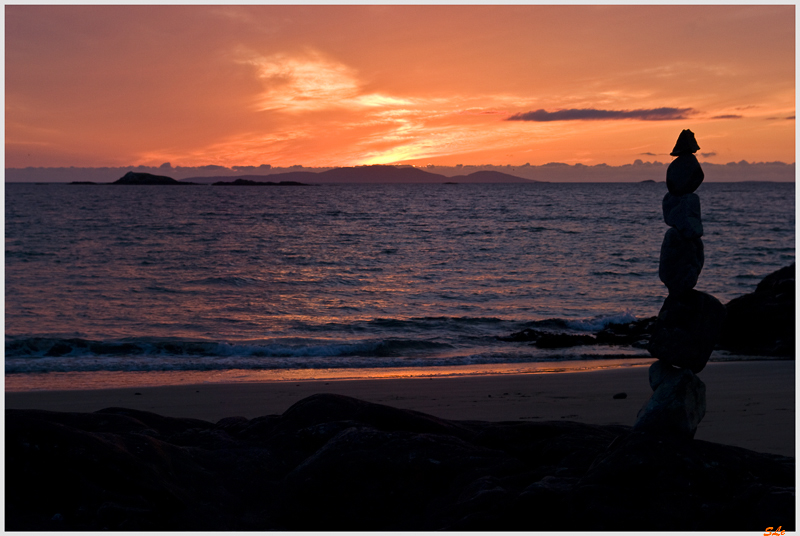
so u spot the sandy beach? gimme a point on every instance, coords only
(750, 404)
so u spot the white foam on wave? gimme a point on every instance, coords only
(599, 322)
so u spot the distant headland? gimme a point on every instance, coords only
(346, 175)
(638, 171)
(364, 175)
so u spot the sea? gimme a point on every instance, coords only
(109, 281)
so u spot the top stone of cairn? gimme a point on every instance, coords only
(686, 144)
(684, 174)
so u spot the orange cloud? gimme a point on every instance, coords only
(344, 85)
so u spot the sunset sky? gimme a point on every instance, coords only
(349, 85)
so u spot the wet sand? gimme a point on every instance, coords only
(750, 404)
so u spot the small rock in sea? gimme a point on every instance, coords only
(683, 213)
(684, 175)
(620, 396)
(687, 329)
(681, 261)
(137, 393)
(630, 333)
(563, 340)
(676, 407)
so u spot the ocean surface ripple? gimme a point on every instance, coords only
(206, 278)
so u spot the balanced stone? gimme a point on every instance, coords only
(681, 261)
(687, 329)
(676, 407)
(658, 372)
(684, 175)
(683, 213)
(686, 144)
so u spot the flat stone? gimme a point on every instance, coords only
(676, 407)
(681, 261)
(683, 213)
(687, 329)
(684, 175)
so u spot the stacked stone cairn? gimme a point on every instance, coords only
(690, 321)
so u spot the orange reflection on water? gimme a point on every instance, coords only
(76, 381)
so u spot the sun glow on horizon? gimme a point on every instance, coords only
(351, 85)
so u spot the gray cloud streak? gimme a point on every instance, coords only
(592, 114)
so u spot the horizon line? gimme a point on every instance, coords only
(211, 167)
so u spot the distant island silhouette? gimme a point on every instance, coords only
(368, 174)
(378, 174)
(133, 178)
(553, 172)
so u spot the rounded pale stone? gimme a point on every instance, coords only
(684, 175)
(683, 213)
(658, 372)
(676, 407)
(686, 330)
(681, 261)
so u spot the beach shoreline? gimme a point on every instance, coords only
(98, 380)
(750, 404)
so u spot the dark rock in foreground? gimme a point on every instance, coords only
(336, 463)
(763, 322)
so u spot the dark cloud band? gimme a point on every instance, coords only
(591, 114)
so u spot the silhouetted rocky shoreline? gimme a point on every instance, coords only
(761, 323)
(332, 462)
